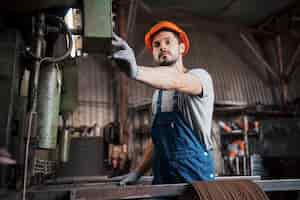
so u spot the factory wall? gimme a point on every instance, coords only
(95, 93)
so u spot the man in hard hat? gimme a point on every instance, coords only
(182, 108)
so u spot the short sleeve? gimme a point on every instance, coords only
(206, 81)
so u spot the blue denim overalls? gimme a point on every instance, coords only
(178, 154)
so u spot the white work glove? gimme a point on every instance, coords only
(5, 157)
(130, 179)
(124, 57)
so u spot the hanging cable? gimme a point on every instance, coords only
(66, 30)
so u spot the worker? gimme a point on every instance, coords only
(182, 108)
(5, 157)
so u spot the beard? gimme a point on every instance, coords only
(167, 62)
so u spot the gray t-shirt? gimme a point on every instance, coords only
(197, 110)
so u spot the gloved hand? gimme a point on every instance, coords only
(5, 157)
(130, 179)
(124, 57)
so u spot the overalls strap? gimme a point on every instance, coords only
(175, 101)
(158, 103)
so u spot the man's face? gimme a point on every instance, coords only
(166, 48)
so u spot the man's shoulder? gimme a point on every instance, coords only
(202, 74)
(206, 81)
(199, 71)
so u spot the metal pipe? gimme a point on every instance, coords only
(245, 171)
(40, 44)
(65, 140)
(237, 165)
(39, 51)
(48, 106)
(123, 84)
(246, 156)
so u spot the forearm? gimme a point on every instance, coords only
(145, 165)
(158, 77)
(169, 79)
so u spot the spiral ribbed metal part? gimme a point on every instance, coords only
(226, 190)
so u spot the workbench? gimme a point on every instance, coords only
(111, 190)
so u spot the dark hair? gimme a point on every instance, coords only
(168, 30)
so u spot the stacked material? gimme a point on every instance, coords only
(226, 190)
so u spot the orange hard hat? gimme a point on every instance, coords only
(169, 26)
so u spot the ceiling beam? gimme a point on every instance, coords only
(204, 24)
(259, 56)
(291, 68)
(225, 8)
(276, 14)
(279, 54)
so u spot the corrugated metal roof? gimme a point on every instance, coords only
(234, 79)
(201, 7)
(253, 11)
(247, 12)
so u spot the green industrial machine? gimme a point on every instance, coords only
(96, 15)
(69, 96)
(53, 90)
(97, 33)
(49, 93)
(97, 25)
(64, 146)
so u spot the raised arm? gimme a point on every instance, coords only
(158, 77)
(170, 79)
